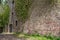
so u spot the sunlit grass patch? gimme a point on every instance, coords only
(36, 36)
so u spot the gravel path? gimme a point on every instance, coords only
(9, 37)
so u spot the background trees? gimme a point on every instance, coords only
(4, 14)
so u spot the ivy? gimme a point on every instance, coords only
(21, 8)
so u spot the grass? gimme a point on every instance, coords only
(36, 37)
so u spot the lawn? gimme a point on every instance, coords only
(37, 37)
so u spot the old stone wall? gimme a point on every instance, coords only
(44, 18)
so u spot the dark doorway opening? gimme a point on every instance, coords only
(1, 29)
(16, 23)
(12, 13)
(0, 1)
(10, 27)
(13, 2)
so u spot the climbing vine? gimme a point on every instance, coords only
(21, 8)
(52, 2)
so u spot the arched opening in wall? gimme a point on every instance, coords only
(1, 29)
(10, 28)
(16, 23)
(13, 2)
(0, 1)
(12, 13)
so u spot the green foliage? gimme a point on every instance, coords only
(4, 16)
(21, 8)
(36, 36)
(51, 2)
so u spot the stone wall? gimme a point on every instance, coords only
(44, 18)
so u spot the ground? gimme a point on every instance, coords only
(26, 37)
(8, 37)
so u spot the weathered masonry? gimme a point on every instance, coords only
(12, 25)
(44, 18)
(12, 20)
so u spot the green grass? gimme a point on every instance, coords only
(36, 36)
(42, 37)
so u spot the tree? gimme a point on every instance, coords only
(4, 15)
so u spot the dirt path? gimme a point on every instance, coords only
(9, 37)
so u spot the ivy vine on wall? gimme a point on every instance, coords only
(21, 8)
